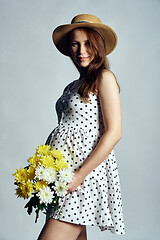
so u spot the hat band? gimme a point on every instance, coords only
(82, 22)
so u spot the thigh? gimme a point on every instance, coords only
(59, 230)
(83, 234)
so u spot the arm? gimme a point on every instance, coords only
(111, 111)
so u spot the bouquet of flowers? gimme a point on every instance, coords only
(45, 179)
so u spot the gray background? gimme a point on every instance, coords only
(33, 74)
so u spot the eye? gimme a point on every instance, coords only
(88, 43)
(73, 44)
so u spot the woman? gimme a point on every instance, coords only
(89, 126)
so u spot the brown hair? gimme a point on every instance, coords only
(98, 64)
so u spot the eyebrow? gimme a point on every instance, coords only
(72, 40)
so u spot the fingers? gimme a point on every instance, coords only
(72, 190)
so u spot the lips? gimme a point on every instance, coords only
(82, 59)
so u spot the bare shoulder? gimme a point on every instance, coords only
(108, 81)
(107, 73)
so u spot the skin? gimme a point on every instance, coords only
(111, 110)
(59, 230)
(80, 48)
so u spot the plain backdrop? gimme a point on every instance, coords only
(33, 75)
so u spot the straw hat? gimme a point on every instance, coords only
(60, 34)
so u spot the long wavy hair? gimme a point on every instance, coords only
(97, 65)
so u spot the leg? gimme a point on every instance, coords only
(83, 234)
(59, 230)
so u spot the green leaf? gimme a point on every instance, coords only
(41, 206)
(15, 183)
(37, 215)
(33, 202)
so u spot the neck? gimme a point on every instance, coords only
(83, 73)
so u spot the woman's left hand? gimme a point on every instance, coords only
(76, 181)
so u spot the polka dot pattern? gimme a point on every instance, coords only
(97, 201)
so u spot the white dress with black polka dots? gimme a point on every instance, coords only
(96, 202)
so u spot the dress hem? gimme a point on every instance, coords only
(102, 228)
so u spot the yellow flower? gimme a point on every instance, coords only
(43, 149)
(39, 184)
(25, 189)
(34, 160)
(31, 172)
(60, 164)
(21, 175)
(47, 161)
(57, 154)
(19, 192)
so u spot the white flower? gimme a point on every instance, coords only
(40, 172)
(50, 175)
(46, 174)
(60, 188)
(66, 175)
(45, 195)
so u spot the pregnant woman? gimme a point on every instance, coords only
(89, 126)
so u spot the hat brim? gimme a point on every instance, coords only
(61, 41)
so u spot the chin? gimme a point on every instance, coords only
(83, 65)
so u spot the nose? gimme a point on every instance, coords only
(82, 49)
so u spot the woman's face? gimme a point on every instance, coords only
(80, 47)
